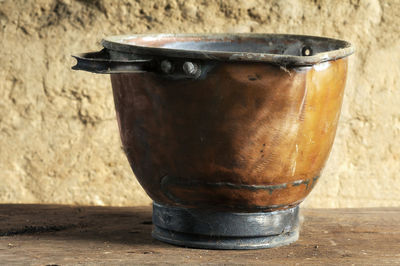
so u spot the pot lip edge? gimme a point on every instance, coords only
(117, 43)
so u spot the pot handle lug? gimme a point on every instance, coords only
(101, 63)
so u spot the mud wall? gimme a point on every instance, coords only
(59, 139)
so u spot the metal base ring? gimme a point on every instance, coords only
(225, 230)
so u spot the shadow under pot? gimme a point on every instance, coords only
(226, 133)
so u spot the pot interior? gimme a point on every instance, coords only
(281, 49)
(294, 45)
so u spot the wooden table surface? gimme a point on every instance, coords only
(60, 235)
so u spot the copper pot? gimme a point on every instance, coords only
(226, 133)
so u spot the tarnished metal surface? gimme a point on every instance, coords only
(281, 49)
(204, 228)
(212, 242)
(101, 63)
(111, 62)
(235, 224)
(173, 54)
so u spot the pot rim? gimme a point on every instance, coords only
(335, 48)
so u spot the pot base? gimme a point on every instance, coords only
(199, 228)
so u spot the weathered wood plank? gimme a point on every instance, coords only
(57, 234)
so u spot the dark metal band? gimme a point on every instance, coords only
(225, 230)
(211, 242)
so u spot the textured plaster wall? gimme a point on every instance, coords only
(59, 139)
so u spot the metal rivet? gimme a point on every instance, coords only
(166, 66)
(306, 51)
(191, 69)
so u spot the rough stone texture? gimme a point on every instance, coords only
(58, 134)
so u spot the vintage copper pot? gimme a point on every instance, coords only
(226, 133)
